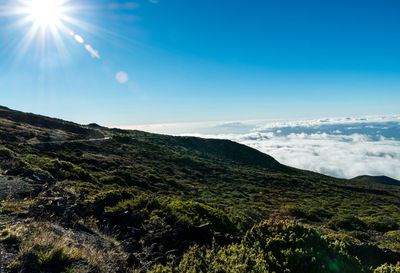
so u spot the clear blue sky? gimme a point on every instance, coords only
(206, 60)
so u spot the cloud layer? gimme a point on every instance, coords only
(340, 147)
(338, 155)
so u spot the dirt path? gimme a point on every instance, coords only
(68, 141)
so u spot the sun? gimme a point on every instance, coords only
(45, 13)
(47, 26)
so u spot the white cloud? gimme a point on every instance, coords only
(344, 156)
(340, 147)
(336, 155)
(328, 121)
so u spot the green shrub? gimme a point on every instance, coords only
(42, 260)
(6, 154)
(113, 197)
(346, 222)
(153, 178)
(143, 204)
(388, 268)
(307, 212)
(196, 213)
(272, 246)
(360, 235)
(380, 223)
(156, 222)
(112, 179)
(52, 258)
(394, 234)
(59, 169)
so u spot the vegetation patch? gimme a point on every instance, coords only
(47, 247)
(388, 268)
(196, 213)
(346, 222)
(272, 246)
(59, 169)
(394, 234)
(380, 223)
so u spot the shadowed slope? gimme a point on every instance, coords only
(377, 179)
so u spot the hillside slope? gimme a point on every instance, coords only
(377, 179)
(94, 199)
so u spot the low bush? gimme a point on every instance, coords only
(394, 234)
(196, 213)
(360, 235)
(346, 222)
(43, 260)
(143, 204)
(272, 246)
(6, 154)
(112, 179)
(307, 212)
(388, 268)
(380, 223)
(59, 169)
(113, 197)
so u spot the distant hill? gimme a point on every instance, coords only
(86, 198)
(377, 179)
(44, 122)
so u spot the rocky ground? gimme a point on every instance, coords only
(66, 215)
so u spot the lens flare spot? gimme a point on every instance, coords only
(94, 53)
(79, 39)
(122, 77)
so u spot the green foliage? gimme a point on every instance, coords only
(311, 213)
(272, 246)
(388, 268)
(143, 204)
(346, 222)
(153, 178)
(156, 222)
(113, 197)
(196, 213)
(380, 223)
(8, 159)
(360, 235)
(394, 234)
(6, 154)
(52, 258)
(59, 169)
(8, 207)
(112, 179)
(43, 260)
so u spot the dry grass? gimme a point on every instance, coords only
(46, 236)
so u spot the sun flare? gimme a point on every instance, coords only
(46, 13)
(47, 25)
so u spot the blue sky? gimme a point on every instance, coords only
(191, 61)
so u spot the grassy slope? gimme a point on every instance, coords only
(239, 185)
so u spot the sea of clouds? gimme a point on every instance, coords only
(340, 147)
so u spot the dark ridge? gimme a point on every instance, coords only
(46, 122)
(377, 179)
(95, 126)
(229, 150)
(362, 190)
